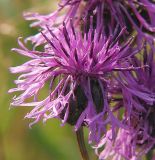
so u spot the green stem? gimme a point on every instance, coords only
(81, 143)
(149, 155)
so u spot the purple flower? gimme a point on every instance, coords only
(136, 100)
(94, 75)
(121, 147)
(81, 67)
(138, 94)
(141, 80)
(138, 17)
(129, 144)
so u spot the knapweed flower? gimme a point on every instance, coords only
(138, 95)
(128, 145)
(137, 16)
(122, 147)
(80, 65)
(142, 115)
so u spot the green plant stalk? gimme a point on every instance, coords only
(81, 144)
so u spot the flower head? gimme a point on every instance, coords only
(121, 147)
(80, 65)
(138, 17)
(138, 138)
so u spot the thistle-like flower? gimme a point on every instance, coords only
(121, 147)
(137, 16)
(81, 66)
(139, 99)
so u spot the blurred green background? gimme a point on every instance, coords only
(17, 140)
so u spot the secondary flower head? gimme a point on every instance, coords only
(141, 118)
(121, 147)
(137, 16)
(142, 17)
(138, 94)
